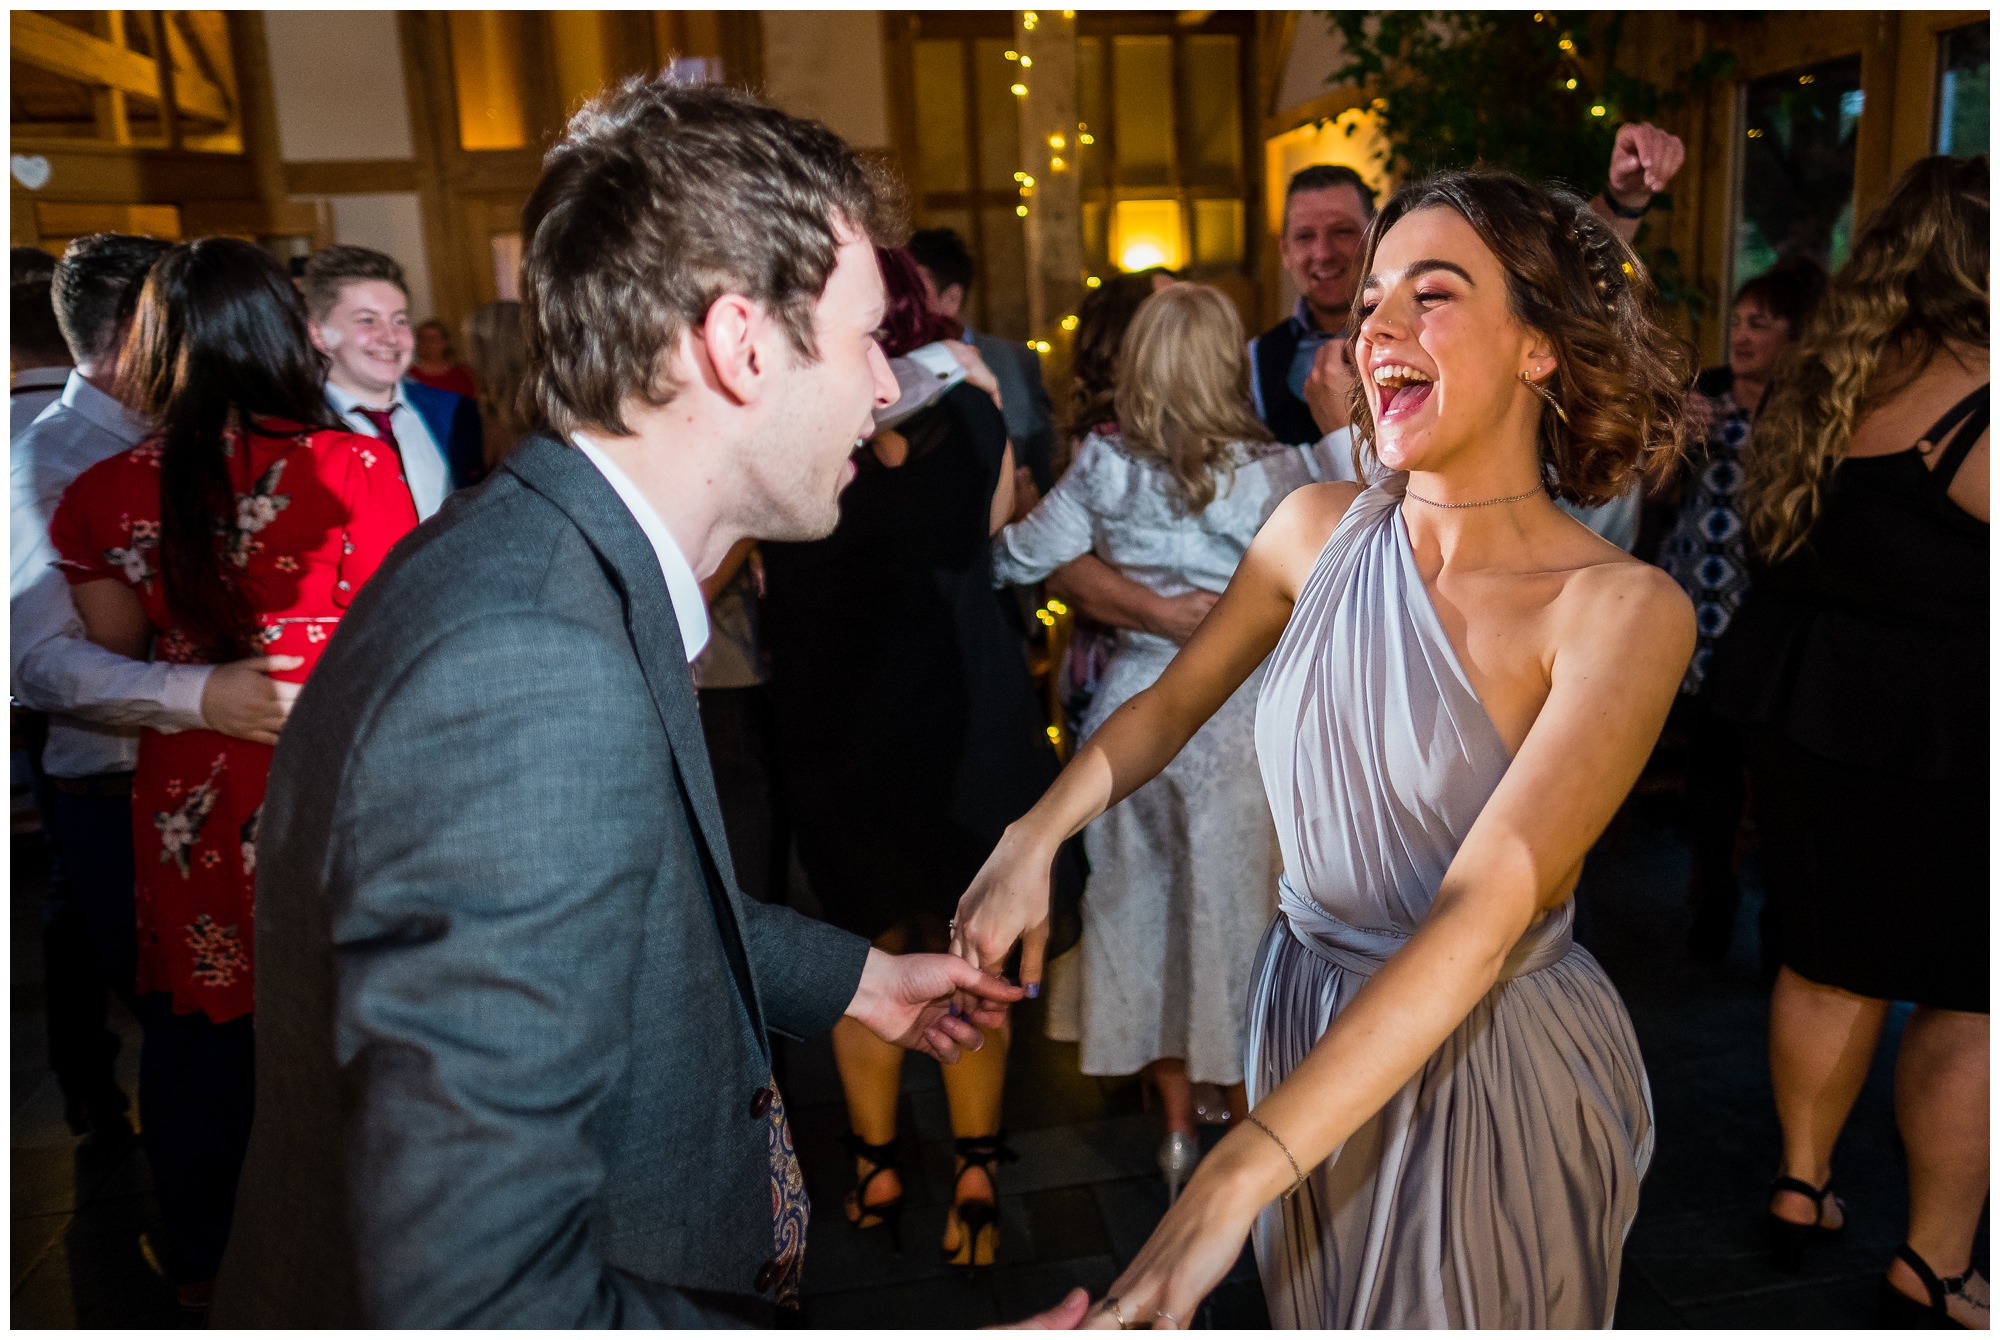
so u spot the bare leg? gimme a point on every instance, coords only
(1169, 1078)
(871, 1075)
(973, 1089)
(1822, 1039)
(1239, 1101)
(1941, 1112)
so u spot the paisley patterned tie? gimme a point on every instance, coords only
(789, 1209)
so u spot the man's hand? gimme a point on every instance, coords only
(241, 698)
(1330, 384)
(907, 999)
(1176, 617)
(1064, 1316)
(1643, 160)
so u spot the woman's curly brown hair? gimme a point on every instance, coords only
(1621, 377)
(1917, 277)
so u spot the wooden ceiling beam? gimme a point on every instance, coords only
(47, 44)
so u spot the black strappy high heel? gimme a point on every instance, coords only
(888, 1213)
(1789, 1241)
(978, 1221)
(1896, 1310)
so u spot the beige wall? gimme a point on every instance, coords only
(829, 65)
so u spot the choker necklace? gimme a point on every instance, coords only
(1486, 502)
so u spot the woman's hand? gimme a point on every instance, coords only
(1007, 903)
(976, 370)
(1189, 1252)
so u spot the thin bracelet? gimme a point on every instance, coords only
(1252, 1118)
(1624, 211)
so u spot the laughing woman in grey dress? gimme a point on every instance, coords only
(1451, 1117)
(1184, 873)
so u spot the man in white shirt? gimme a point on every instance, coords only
(97, 701)
(358, 314)
(37, 361)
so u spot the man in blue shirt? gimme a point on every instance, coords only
(358, 313)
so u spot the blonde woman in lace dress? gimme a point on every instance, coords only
(1184, 871)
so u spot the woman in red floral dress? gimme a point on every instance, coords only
(244, 527)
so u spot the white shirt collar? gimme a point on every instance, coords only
(682, 586)
(102, 410)
(345, 401)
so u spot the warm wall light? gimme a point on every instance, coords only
(1027, 62)
(1569, 83)
(1057, 165)
(1597, 109)
(1566, 45)
(1069, 322)
(1021, 210)
(1092, 281)
(1019, 90)
(1146, 233)
(1058, 143)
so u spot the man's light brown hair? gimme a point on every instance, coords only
(330, 269)
(658, 200)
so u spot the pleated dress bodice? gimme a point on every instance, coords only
(1496, 1187)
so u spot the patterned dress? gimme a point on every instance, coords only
(316, 512)
(1183, 871)
(1705, 551)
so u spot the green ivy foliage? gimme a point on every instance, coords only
(1458, 88)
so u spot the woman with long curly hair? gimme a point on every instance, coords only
(1184, 872)
(1859, 665)
(1450, 1114)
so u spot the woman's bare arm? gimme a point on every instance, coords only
(1623, 637)
(1009, 898)
(113, 618)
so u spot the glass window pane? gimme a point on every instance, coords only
(1218, 233)
(1002, 253)
(1146, 233)
(1096, 245)
(1090, 110)
(1142, 87)
(999, 120)
(1964, 113)
(486, 52)
(1796, 188)
(1214, 112)
(940, 104)
(585, 46)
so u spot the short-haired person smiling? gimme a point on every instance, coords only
(1462, 682)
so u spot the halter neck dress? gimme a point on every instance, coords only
(1497, 1186)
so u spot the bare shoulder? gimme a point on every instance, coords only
(1299, 527)
(1625, 606)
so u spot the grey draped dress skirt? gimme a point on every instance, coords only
(1497, 1186)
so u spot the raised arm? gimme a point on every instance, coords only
(1622, 640)
(1009, 898)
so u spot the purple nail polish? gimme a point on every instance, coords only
(1034, 990)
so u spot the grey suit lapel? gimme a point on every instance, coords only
(566, 477)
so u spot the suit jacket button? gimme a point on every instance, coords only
(760, 1103)
(767, 1275)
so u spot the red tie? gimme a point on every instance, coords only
(380, 418)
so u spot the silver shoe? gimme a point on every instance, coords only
(1177, 1157)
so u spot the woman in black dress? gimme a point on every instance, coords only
(909, 735)
(1859, 664)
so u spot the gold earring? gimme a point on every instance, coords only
(1546, 394)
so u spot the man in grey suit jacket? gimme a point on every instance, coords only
(946, 267)
(513, 1015)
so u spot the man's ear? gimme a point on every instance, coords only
(732, 338)
(313, 333)
(952, 300)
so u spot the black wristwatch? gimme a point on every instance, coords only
(1611, 203)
